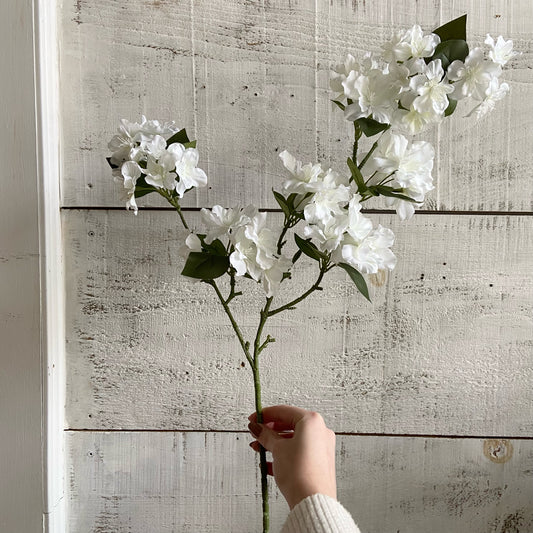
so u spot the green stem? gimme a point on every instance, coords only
(282, 234)
(262, 454)
(288, 223)
(357, 136)
(244, 345)
(254, 363)
(314, 287)
(258, 348)
(232, 293)
(178, 209)
(175, 203)
(367, 156)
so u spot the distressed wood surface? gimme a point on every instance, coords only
(445, 348)
(189, 482)
(249, 79)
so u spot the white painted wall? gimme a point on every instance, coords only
(32, 336)
(21, 486)
(430, 386)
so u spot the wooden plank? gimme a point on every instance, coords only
(444, 349)
(208, 482)
(249, 80)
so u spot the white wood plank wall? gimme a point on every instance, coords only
(430, 386)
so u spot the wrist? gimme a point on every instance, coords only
(296, 497)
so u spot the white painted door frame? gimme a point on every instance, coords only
(32, 377)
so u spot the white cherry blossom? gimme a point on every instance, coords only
(411, 43)
(472, 77)
(502, 51)
(396, 49)
(432, 89)
(154, 145)
(131, 172)
(329, 200)
(221, 221)
(127, 143)
(421, 45)
(271, 277)
(358, 226)
(327, 236)
(255, 247)
(160, 172)
(371, 254)
(495, 92)
(372, 95)
(304, 178)
(342, 71)
(186, 168)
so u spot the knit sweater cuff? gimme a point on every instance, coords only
(319, 514)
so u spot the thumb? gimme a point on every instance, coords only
(264, 435)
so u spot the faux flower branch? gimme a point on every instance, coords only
(414, 83)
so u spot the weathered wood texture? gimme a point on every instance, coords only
(445, 348)
(190, 482)
(249, 79)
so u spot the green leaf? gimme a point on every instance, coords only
(357, 176)
(449, 51)
(308, 248)
(451, 107)
(202, 265)
(339, 104)
(215, 248)
(112, 165)
(191, 144)
(282, 203)
(455, 29)
(296, 256)
(142, 188)
(357, 278)
(179, 137)
(371, 127)
(391, 192)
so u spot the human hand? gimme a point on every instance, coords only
(303, 451)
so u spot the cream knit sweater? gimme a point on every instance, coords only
(319, 514)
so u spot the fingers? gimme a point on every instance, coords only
(284, 416)
(256, 446)
(266, 436)
(285, 435)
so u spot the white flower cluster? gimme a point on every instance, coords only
(332, 210)
(478, 77)
(400, 88)
(141, 150)
(409, 165)
(416, 81)
(254, 245)
(406, 91)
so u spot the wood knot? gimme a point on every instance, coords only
(498, 450)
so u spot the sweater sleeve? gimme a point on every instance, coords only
(319, 514)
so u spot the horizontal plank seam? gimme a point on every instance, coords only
(269, 210)
(342, 433)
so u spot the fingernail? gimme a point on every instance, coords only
(255, 429)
